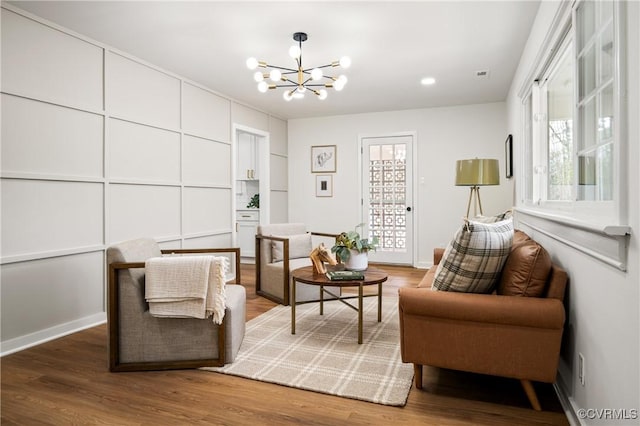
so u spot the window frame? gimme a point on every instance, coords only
(599, 213)
(597, 228)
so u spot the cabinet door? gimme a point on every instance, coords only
(245, 154)
(248, 154)
(246, 238)
(255, 156)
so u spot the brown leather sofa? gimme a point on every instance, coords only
(515, 332)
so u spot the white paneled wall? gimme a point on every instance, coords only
(278, 132)
(141, 93)
(139, 210)
(50, 65)
(99, 147)
(143, 153)
(47, 296)
(198, 108)
(196, 157)
(44, 148)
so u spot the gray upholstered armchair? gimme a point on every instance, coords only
(281, 248)
(140, 341)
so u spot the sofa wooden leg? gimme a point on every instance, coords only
(417, 374)
(531, 394)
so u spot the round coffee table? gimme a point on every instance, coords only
(306, 275)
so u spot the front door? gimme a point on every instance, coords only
(388, 196)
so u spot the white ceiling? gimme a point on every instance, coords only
(392, 45)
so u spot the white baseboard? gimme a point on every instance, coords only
(568, 405)
(424, 265)
(23, 342)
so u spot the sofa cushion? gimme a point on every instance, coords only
(427, 280)
(300, 245)
(526, 270)
(519, 237)
(474, 258)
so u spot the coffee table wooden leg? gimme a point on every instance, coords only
(293, 307)
(360, 314)
(379, 302)
(321, 300)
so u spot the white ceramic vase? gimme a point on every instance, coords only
(357, 261)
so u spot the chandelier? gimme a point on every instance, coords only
(299, 80)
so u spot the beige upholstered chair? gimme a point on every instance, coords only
(281, 248)
(139, 341)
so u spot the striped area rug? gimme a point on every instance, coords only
(324, 354)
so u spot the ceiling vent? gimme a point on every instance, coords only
(482, 74)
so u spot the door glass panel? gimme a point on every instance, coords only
(387, 196)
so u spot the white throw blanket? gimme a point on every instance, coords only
(186, 286)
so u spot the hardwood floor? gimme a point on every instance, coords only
(66, 381)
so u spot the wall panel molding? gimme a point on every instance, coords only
(125, 149)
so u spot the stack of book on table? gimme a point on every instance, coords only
(345, 275)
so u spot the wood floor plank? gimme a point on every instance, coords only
(66, 381)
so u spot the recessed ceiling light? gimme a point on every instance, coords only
(427, 81)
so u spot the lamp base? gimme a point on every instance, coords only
(474, 190)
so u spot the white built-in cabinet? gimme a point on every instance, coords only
(248, 157)
(247, 222)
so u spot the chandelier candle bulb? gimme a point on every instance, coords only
(294, 52)
(275, 75)
(258, 76)
(305, 78)
(252, 63)
(345, 62)
(316, 74)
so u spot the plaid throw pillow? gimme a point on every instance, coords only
(474, 258)
(492, 219)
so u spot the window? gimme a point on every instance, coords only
(571, 135)
(595, 59)
(573, 143)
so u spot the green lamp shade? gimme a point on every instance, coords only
(477, 172)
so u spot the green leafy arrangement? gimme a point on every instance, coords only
(254, 203)
(347, 241)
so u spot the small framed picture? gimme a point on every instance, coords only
(508, 156)
(323, 159)
(324, 186)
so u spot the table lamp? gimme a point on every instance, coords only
(476, 173)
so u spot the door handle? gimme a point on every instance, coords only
(408, 209)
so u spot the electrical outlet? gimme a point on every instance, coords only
(581, 368)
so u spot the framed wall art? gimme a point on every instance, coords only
(323, 159)
(324, 186)
(508, 156)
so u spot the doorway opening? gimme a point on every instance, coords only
(251, 187)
